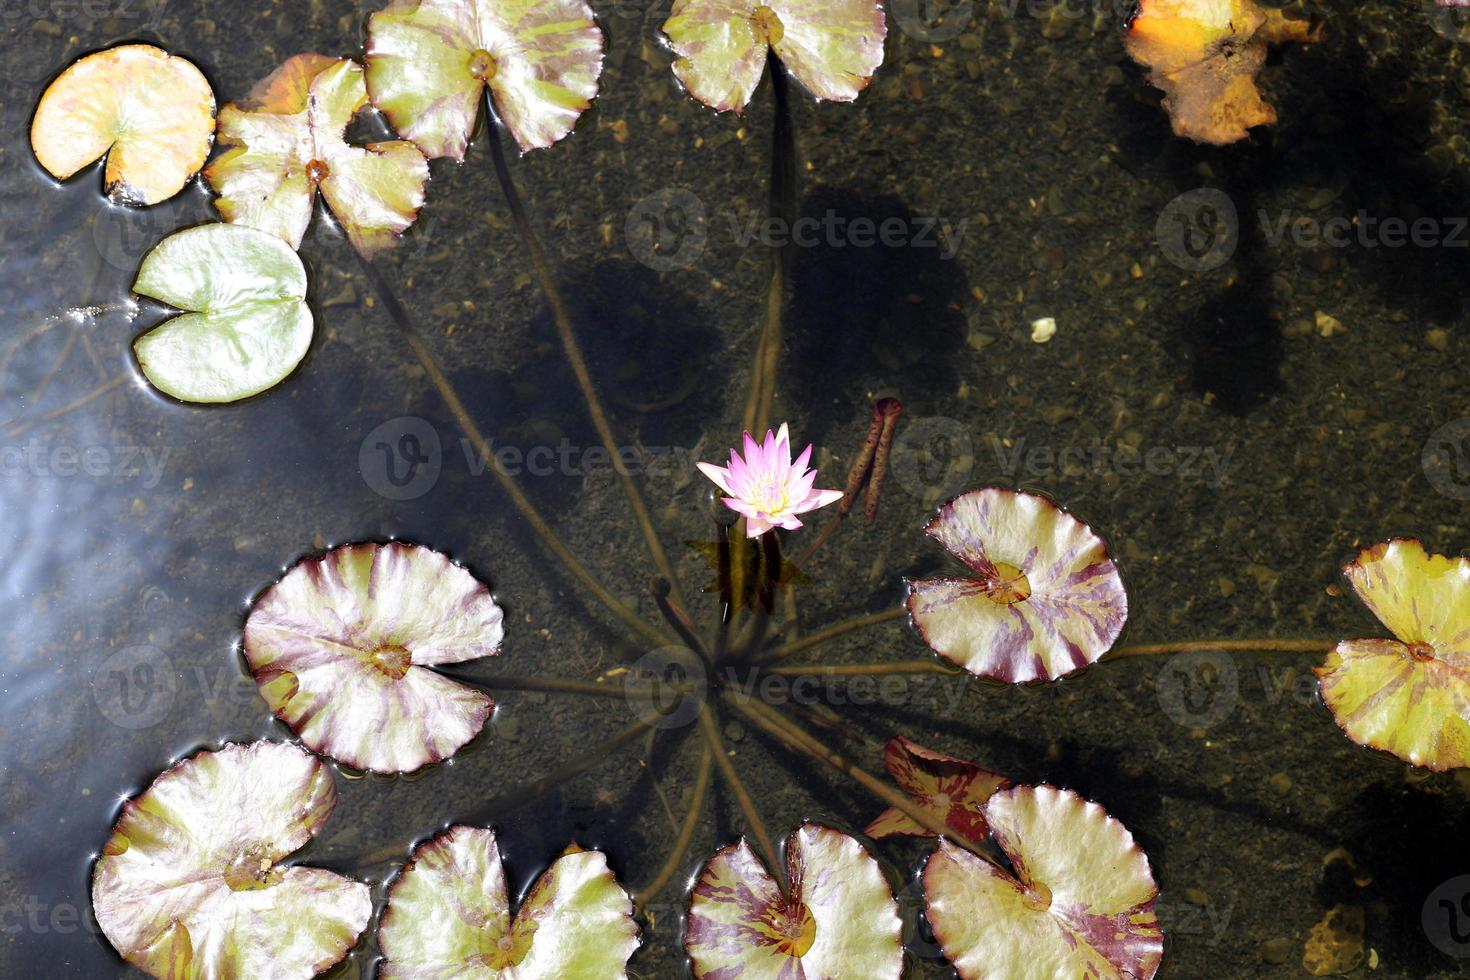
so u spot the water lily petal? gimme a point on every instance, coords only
(152, 113)
(833, 47)
(190, 883)
(448, 916)
(1064, 614)
(340, 648)
(839, 921)
(721, 52)
(250, 324)
(719, 475)
(1081, 906)
(429, 60)
(951, 790)
(288, 139)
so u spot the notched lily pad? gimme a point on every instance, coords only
(287, 143)
(341, 648)
(248, 324)
(833, 47)
(1409, 695)
(839, 920)
(1047, 602)
(428, 61)
(1205, 55)
(150, 112)
(449, 915)
(952, 790)
(191, 883)
(1081, 902)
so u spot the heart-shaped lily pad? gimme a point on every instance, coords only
(191, 883)
(839, 920)
(150, 112)
(429, 60)
(1080, 905)
(1048, 600)
(341, 648)
(831, 46)
(248, 325)
(449, 915)
(952, 790)
(1205, 55)
(286, 143)
(1410, 695)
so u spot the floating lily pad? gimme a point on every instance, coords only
(287, 142)
(341, 648)
(1205, 55)
(428, 61)
(840, 919)
(248, 325)
(150, 112)
(449, 915)
(1410, 695)
(1081, 903)
(952, 790)
(831, 46)
(1048, 600)
(191, 882)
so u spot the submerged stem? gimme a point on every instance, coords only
(834, 631)
(1243, 646)
(521, 795)
(507, 483)
(753, 820)
(573, 352)
(556, 685)
(794, 737)
(675, 858)
(864, 670)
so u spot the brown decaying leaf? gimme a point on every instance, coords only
(1336, 943)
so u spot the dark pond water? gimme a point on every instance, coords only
(1236, 433)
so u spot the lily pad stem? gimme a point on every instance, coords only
(675, 858)
(753, 821)
(507, 483)
(834, 631)
(1241, 646)
(866, 670)
(573, 352)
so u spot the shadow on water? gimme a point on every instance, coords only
(886, 309)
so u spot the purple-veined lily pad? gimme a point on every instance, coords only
(191, 883)
(1081, 903)
(1047, 601)
(287, 142)
(428, 61)
(831, 46)
(839, 920)
(449, 915)
(247, 323)
(150, 112)
(952, 790)
(1409, 695)
(341, 648)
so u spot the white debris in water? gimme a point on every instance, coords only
(1043, 330)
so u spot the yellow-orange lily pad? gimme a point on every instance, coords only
(149, 112)
(1205, 55)
(1409, 695)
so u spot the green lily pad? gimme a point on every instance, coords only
(449, 915)
(429, 60)
(248, 324)
(1081, 902)
(287, 142)
(833, 47)
(191, 882)
(838, 920)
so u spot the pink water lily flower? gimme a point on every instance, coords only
(766, 487)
